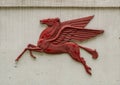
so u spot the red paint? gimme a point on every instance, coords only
(60, 37)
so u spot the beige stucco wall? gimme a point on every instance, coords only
(20, 26)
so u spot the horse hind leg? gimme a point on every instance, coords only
(74, 52)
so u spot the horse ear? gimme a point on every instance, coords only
(57, 19)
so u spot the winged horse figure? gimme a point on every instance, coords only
(60, 37)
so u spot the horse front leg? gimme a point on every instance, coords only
(31, 48)
(17, 59)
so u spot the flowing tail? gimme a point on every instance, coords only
(91, 51)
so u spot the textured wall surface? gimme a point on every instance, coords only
(20, 26)
(59, 3)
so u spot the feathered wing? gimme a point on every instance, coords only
(81, 22)
(66, 34)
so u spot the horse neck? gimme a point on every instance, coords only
(54, 29)
(56, 25)
(51, 29)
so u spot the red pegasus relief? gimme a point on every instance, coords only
(60, 37)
